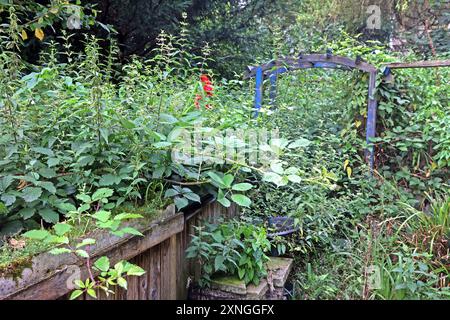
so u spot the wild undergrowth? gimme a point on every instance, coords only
(380, 237)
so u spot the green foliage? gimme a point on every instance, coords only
(82, 136)
(69, 131)
(103, 220)
(407, 275)
(232, 248)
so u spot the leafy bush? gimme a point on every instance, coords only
(61, 239)
(69, 128)
(232, 248)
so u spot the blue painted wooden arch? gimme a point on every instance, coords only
(274, 68)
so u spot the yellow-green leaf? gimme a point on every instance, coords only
(349, 172)
(92, 293)
(24, 35)
(39, 34)
(76, 294)
(346, 163)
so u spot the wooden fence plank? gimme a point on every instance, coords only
(47, 277)
(168, 264)
(154, 274)
(419, 64)
(161, 253)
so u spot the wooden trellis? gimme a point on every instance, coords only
(273, 69)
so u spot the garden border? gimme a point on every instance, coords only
(160, 252)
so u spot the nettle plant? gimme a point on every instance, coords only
(231, 248)
(88, 217)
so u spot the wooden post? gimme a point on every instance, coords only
(258, 90)
(371, 120)
(273, 89)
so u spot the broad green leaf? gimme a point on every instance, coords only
(171, 193)
(228, 180)
(92, 293)
(102, 215)
(294, 178)
(27, 213)
(167, 118)
(242, 187)
(192, 196)
(225, 202)
(3, 209)
(49, 215)
(241, 200)
(272, 177)
(127, 124)
(291, 170)
(217, 179)
(102, 264)
(50, 187)
(300, 143)
(8, 199)
(218, 263)
(85, 160)
(66, 207)
(102, 193)
(222, 199)
(277, 167)
(135, 271)
(127, 216)
(241, 273)
(57, 251)
(75, 294)
(48, 173)
(122, 282)
(5, 182)
(84, 197)
(181, 202)
(130, 230)
(104, 132)
(109, 180)
(82, 253)
(31, 194)
(51, 162)
(86, 242)
(62, 228)
(57, 239)
(44, 151)
(36, 234)
(158, 172)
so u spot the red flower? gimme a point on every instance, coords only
(197, 101)
(207, 88)
(207, 85)
(205, 79)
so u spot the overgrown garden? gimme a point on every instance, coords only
(88, 142)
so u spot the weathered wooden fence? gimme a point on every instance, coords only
(161, 253)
